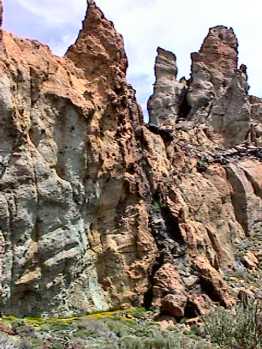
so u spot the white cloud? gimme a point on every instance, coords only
(176, 25)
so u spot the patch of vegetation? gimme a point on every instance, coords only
(135, 329)
(241, 328)
(128, 329)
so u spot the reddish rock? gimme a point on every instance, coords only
(6, 329)
(167, 280)
(99, 49)
(166, 322)
(250, 260)
(74, 177)
(218, 88)
(109, 210)
(200, 304)
(219, 51)
(174, 305)
(212, 280)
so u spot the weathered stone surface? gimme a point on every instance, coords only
(246, 180)
(200, 304)
(99, 210)
(218, 56)
(206, 179)
(218, 89)
(99, 50)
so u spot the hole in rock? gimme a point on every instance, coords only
(184, 109)
(208, 288)
(191, 310)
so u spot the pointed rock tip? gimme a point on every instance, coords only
(219, 50)
(99, 48)
(222, 34)
(91, 3)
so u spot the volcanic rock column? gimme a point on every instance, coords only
(164, 104)
(218, 91)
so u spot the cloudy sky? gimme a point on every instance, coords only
(179, 26)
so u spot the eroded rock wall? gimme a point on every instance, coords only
(73, 219)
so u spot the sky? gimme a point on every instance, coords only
(176, 25)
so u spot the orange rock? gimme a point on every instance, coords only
(200, 303)
(6, 329)
(167, 280)
(93, 201)
(174, 305)
(250, 260)
(213, 282)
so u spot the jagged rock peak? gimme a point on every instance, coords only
(219, 50)
(218, 90)
(216, 95)
(98, 46)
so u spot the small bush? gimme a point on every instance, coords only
(241, 328)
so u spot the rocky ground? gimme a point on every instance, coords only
(137, 328)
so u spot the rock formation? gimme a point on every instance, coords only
(74, 224)
(212, 168)
(99, 210)
(165, 104)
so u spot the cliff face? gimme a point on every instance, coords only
(98, 210)
(74, 224)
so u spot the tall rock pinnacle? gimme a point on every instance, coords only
(78, 116)
(98, 48)
(216, 95)
(213, 67)
(218, 89)
(164, 104)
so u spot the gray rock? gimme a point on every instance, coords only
(164, 104)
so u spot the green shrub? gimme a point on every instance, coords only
(241, 327)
